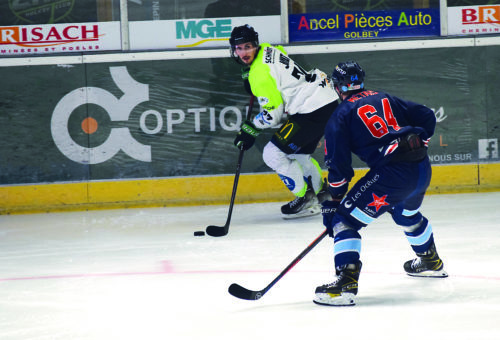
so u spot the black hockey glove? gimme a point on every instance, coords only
(411, 149)
(414, 142)
(245, 72)
(328, 209)
(246, 137)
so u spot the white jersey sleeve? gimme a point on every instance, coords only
(284, 87)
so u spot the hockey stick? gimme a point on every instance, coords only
(242, 293)
(217, 231)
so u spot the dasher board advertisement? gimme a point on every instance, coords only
(199, 33)
(364, 25)
(179, 117)
(57, 38)
(474, 20)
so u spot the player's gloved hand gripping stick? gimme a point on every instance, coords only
(328, 209)
(246, 137)
(217, 231)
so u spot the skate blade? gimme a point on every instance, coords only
(324, 299)
(311, 211)
(430, 273)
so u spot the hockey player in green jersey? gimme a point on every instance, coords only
(296, 102)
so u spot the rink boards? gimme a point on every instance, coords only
(157, 128)
(179, 191)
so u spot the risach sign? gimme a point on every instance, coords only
(78, 37)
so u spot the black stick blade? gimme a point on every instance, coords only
(217, 231)
(242, 293)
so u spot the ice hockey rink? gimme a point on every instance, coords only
(141, 274)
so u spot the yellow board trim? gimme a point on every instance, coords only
(179, 191)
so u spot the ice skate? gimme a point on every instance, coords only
(343, 290)
(323, 194)
(302, 206)
(427, 264)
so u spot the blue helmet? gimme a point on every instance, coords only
(348, 76)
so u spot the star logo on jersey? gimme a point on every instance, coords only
(378, 202)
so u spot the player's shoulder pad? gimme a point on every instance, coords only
(278, 47)
(282, 49)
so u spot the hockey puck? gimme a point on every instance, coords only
(199, 233)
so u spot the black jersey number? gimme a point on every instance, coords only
(299, 71)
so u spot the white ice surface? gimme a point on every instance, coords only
(141, 274)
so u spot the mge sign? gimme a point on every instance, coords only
(203, 30)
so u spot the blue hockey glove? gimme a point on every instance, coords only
(328, 209)
(246, 137)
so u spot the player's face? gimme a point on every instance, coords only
(246, 52)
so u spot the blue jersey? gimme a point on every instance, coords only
(368, 124)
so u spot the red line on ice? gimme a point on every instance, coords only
(168, 268)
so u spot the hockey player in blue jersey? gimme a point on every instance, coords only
(390, 135)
